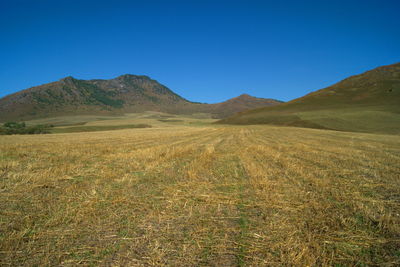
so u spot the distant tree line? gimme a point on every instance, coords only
(22, 128)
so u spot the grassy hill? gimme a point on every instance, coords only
(124, 94)
(369, 102)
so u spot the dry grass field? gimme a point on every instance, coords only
(200, 196)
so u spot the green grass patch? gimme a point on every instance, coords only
(170, 120)
(78, 129)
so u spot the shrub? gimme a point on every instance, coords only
(21, 128)
(14, 125)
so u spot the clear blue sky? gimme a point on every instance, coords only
(206, 51)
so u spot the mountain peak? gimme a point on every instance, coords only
(132, 76)
(245, 96)
(68, 79)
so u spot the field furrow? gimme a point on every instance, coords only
(200, 196)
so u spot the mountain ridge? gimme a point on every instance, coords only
(123, 94)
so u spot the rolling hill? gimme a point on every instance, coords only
(369, 102)
(124, 94)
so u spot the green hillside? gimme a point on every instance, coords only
(369, 102)
(122, 95)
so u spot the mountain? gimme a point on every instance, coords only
(369, 102)
(124, 94)
(240, 103)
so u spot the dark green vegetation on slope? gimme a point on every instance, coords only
(9, 128)
(369, 102)
(124, 94)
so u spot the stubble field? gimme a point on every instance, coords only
(200, 196)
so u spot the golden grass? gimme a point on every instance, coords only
(200, 196)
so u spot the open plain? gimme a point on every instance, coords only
(200, 195)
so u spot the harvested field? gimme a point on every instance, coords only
(200, 196)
